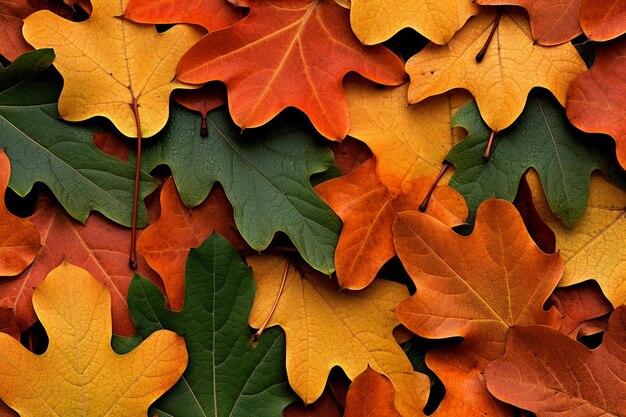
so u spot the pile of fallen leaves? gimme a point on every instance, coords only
(322, 208)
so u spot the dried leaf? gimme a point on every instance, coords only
(371, 395)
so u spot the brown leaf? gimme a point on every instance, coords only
(8, 323)
(349, 154)
(371, 395)
(541, 233)
(603, 20)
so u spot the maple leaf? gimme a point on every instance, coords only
(475, 287)
(166, 243)
(375, 21)
(500, 82)
(210, 14)
(276, 57)
(113, 67)
(368, 210)
(591, 249)
(407, 141)
(548, 373)
(11, 14)
(79, 374)
(265, 174)
(325, 327)
(19, 239)
(551, 22)
(542, 139)
(371, 395)
(593, 102)
(226, 375)
(43, 148)
(99, 246)
(603, 20)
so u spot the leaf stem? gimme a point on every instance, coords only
(132, 258)
(255, 337)
(444, 168)
(487, 153)
(481, 54)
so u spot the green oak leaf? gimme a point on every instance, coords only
(265, 173)
(226, 376)
(43, 148)
(542, 138)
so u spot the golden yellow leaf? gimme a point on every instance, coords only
(594, 247)
(511, 67)
(109, 64)
(375, 21)
(79, 374)
(326, 327)
(407, 141)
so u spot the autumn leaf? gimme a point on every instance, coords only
(349, 154)
(551, 22)
(592, 248)
(407, 141)
(541, 139)
(375, 21)
(594, 104)
(325, 327)
(202, 100)
(8, 323)
(79, 374)
(538, 230)
(99, 246)
(277, 57)
(43, 148)
(475, 287)
(166, 243)
(603, 20)
(548, 373)
(226, 375)
(512, 65)
(330, 404)
(19, 239)
(371, 395)
(112, 67)
(368, 210)
(265, 174)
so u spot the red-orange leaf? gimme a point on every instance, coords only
(368, 210)
(280, 56)
(8, 323)
(548, 373)
(19, 238)
(595, 101)
(603, 19)
(349, 154)
(371, 395)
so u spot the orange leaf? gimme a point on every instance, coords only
(349, 154)
(594, 104)
(19, 238)
(99, 245)
(548, 373)
(603, 19)
(368, 210)
(8, 323)
(166, 243)
(371, 395)
(277, 57)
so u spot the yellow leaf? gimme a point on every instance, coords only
(79, 374)
(109, 63)
(408, 141)
(375, 21)
(511, 67)
(594, 247)
(326, 327)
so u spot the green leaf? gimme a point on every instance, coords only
(265, 173)
(226, 375)
(43, 148)
(543, 139)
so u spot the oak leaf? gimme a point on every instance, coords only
(19, 238)
(550, 374)
(375, 21)
(325, 327)
(475, 287)
(99, 246)
(551, 22)
(407, 141)
(594, 104)
(166, 243)
(371, 395)
(79, 374)
(113, 67)
(277, 57)
(512, 65)
(368, 210)
(603, 20)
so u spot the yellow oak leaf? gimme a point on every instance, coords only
(110, 65)
(79, 374)
(512, 65)
(375, 21)
(326, 327)
(407, 141)
(594, 247)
